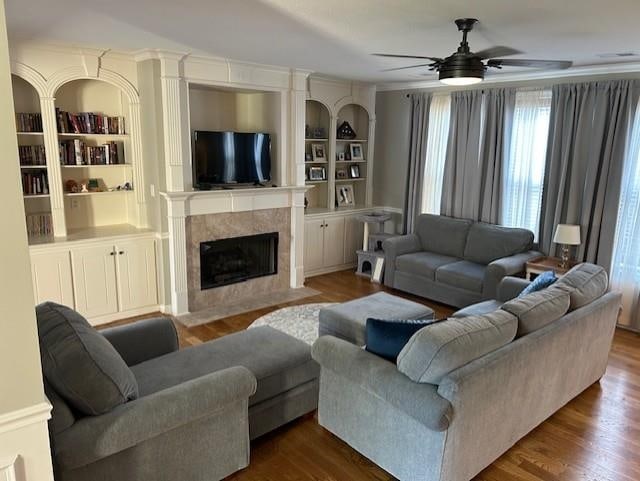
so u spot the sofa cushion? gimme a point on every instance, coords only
(585, 283)
(436, 350)
(387, 338)
(278, 361)
(442, 235)
(538, 309)
(80, 364)
(423, 263)
(463, 274)
(479, 309)
(488, 242)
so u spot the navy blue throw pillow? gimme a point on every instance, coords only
(387, 338)
(544, 280)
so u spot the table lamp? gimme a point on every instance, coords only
(566, 235)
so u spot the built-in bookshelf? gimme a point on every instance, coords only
(32, 159)
(346, 162)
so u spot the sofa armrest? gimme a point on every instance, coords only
(506, 266)
(382, 379)
(394, 247)
(143, 340)
(96, 437)
(510, 288)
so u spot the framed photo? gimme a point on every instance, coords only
(341, 173)
(341, 156)
(356, 151)
(344, 195)
(308, 157)
(318, 152)
(355, 171)
(317, 173)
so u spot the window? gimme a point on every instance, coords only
(524, 164)
(625, 269)
(436, 153)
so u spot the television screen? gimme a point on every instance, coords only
(231, 158)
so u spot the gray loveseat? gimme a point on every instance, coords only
(455, 261)
(467, 389)
(128, 404)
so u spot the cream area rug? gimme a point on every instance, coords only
(300, 322)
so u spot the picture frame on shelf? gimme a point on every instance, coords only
(355, 171)
(318, 152)
(356, 152)
(345, 196)
(319, 133)
(340, 157)
(317, 173)
(308, 157)
(341, 173)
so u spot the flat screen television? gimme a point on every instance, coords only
(223, 158)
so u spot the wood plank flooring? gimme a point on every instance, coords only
(596, 437)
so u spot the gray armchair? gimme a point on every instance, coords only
(456, 261)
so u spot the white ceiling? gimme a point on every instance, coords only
(335, 37)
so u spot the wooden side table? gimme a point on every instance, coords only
(542, 264)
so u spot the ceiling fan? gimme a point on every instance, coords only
(465, 67)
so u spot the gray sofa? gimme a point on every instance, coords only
(455, 261)
(128, 404)
(467, 389)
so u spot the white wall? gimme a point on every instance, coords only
(20, 374)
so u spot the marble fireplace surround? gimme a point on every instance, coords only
(195, 216)
(210, 227)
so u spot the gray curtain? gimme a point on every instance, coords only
(588, 136)
(479, 134)
(420, 104)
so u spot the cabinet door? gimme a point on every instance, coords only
(94, 280)
(333, 242)
(136, 273)
(313, 244)
(353, 232)
(51, 273)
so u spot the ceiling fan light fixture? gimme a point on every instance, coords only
(461, 81)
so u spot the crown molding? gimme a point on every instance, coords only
(595, 70)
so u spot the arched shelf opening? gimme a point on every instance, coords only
(352, 150)
(317, 151)
(34, 173)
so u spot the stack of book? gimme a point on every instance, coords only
(35, 183)
(88, 123)
(32, 155)
(27, 122)
(77, 152)
(39, 225)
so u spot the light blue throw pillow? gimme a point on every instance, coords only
(543, 281)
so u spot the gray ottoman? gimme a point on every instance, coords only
(348, 320)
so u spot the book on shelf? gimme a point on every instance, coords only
(28, 122)
(35, 183)
(88, 123)
(32, 155)
(77, 152)
(39, 225)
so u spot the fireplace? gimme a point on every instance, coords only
(237, 259)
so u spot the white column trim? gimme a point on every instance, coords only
(20, 418)
(8, 468)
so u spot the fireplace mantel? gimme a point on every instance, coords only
(183, 204)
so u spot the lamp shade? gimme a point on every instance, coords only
(567, 234)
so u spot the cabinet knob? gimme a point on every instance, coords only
(121, 252)
(112, 253)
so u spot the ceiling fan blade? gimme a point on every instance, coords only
(410, 66)
(499, 51)
(516, 62)
(389, 55)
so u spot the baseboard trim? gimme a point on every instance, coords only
(97, 321)
(38, 413)
(328, 270)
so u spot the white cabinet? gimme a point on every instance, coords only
(94, 280)
(331, 242)
(104, 281)
(51, 274)
(136, 274)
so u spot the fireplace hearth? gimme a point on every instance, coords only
(237, 259)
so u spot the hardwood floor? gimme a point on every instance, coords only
(596, 437)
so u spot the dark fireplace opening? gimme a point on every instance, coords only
(227, 261)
